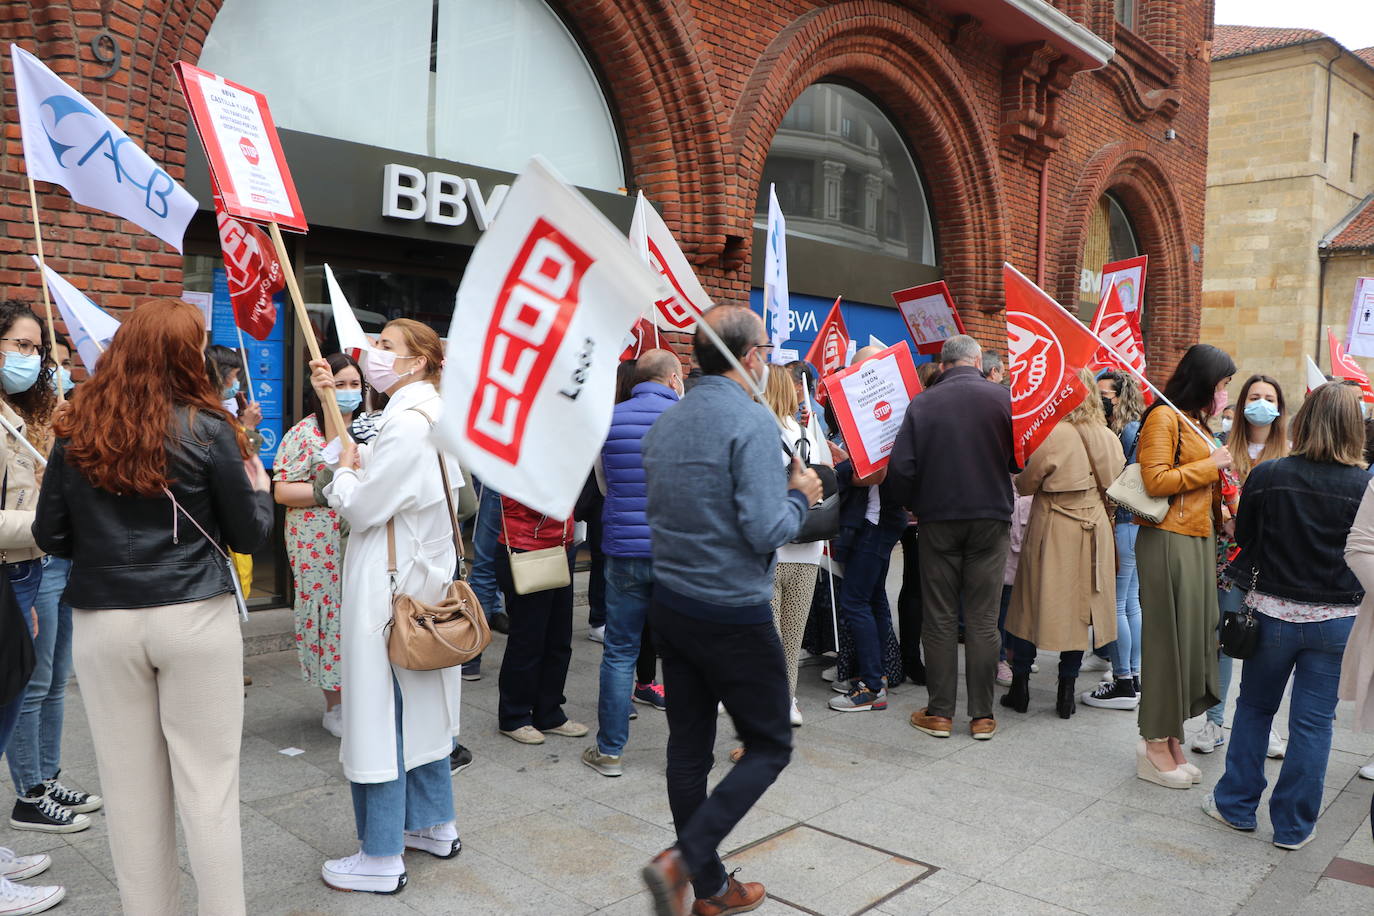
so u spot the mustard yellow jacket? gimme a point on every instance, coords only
(1192, 481)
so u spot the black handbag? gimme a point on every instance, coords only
(16, 642)
(1240, 629)
(822, 522)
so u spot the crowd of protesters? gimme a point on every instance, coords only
(128, 517)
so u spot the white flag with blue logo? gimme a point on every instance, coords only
(68, 142)
(89, 326)
(777, 310)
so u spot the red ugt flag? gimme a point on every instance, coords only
(1343, 366)
(255, 275)
(1111, 324)
(1046, 346)
(831, 346)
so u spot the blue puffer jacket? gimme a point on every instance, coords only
(625, 530)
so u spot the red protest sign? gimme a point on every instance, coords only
(247, 163)
(870, 401)
(253, 271)
(930, 315)
(1046, 346)
(1344, 366)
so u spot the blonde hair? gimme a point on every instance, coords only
(1276, 446)
(421, 340)
(1129, 405)
(1329, 426)
(780, 394)
(1090, 411)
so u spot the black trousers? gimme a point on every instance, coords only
(909, 607)
(596, 576)
(740, 665)
(646, 668)
(538, 650)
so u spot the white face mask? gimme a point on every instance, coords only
(1225, 425)
(379, 368)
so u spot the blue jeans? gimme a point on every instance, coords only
(416, 799)
(1311, 652)
(484, 549)
(35, 749)
(1125, 650)
(1229, 600)
(629, 587)
(863, 598)
(25, 578)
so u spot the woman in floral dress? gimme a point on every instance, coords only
(313, 539)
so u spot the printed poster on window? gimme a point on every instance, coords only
(930, 315)
(870, 402)
(247, 163)
(1128, 277)
(1360, 338)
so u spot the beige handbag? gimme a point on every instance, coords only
(426, 637)
(537, 570)
(1128, 490)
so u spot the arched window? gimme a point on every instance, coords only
(1111, 237)
(483, 83)
(843, 174)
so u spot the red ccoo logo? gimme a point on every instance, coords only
(881, 411)
(250, 152)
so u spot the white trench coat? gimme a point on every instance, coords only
(399, 479)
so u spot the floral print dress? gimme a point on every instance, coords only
(312, 546)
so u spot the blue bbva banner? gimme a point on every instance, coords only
(806, 313)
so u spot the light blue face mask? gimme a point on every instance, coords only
(64, 379)
(348, 400)
(231, 391)
(1261, 412)
(20, 372)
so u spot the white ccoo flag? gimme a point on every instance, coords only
(650, 237)
(88, 325)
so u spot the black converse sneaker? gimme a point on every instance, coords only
(36, 811)
(1119, 693)
(72, 799)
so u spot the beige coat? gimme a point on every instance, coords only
(1067, 576)
(21, 495)
(1357, 667)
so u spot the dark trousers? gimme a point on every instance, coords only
(1023, 656)
(962, 560)
(909, 611)
(863, 599)
(538, 650)
(596, 576)
(646, 668)
(740, 665)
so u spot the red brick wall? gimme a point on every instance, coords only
(699, 87)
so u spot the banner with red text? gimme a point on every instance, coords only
(650, 237)
(253, 271)
(529, 375)
(1343, 365)
(870, 401)
(1046, 346)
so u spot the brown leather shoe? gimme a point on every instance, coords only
(667, 879)
(982, 729)
(935, 726)
(738, 898)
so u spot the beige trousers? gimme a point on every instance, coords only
(163, 690)
(793, 586)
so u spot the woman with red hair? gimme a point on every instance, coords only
(149, 474)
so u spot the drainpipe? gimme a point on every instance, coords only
(1326, 130)
(1321, 300)
(1044, 216)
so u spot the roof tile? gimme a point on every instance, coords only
(1359, 233)
(1235, 40)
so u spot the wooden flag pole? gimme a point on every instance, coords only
(330, 406)
(43, 280)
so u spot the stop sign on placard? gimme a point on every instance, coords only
(882, 410)
(250, 152)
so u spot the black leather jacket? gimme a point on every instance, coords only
(1291, 526)
(121, 547)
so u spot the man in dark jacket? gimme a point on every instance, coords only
(625, 542)
(950, 467)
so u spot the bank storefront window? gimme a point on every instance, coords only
(472, 81)
(1111, 237)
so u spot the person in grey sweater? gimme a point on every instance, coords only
(720, 503)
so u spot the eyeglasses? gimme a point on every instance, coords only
(23, 347)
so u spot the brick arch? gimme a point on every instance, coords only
(907, 68)
(1141, 183)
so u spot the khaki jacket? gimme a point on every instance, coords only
(1357, 667)
(1066, 579)
(20, 496)
(1193, 482)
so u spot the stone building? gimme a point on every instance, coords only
(1290, 190)
(908, 140)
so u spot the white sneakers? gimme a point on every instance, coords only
(19, 900)
(17, 868)
(362, 872)
(796, 714)
(1277, 746)
(597, 634)
(441, 841)
(332, 721)
(1208, 738)
(1367, 771)
(1094, 662)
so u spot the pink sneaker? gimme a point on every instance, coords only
(1003, 674)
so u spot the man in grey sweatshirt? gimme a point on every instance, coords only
(720, 503)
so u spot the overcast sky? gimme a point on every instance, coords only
(1351, 22)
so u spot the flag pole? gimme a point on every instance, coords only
(243, 354)
(42, 269)
(330, 406)
(37, 455)
(734, 362)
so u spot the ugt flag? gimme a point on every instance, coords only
(777, 308)
(352, 340)
(529, 377)
(67, 141)
(1111, 324)
(1046, 346)
(253, 271)
(88, 325)
(1344, 366)
(650, 237)
(830, 350)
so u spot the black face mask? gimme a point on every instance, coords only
(1107, 407)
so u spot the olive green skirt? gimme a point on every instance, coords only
(1178, 629)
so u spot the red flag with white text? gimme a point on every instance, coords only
(1046, 346)
(830, 348)
(1344, 366)
(254, 273)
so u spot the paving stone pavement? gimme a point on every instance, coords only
(871, 816)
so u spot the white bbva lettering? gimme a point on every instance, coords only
(446, 206)
(403, 195)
